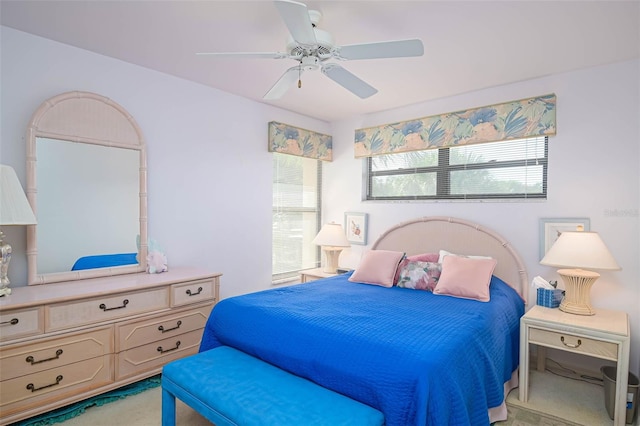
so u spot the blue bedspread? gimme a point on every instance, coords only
(420, 358)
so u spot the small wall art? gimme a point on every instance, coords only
(355, 225)
(551, 228)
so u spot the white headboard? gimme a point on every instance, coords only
(431, 234)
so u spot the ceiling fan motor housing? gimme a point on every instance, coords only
(322, 49)
(324, 41)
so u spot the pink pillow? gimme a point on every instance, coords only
(466, 278)
(377, 267)
(424, 257)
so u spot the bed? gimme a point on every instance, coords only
(420, 357)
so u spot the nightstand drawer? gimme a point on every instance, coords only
(573, 343)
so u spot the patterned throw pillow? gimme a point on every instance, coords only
(424, 257)
(420, 275)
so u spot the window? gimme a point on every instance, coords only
(297, 183)
(515, 169)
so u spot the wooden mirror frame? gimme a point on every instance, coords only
(83, 117)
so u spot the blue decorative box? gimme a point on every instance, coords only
(549, 298)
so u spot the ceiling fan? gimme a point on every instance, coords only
(312, 47)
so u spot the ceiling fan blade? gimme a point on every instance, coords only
(287, 80)
(349, 81)
(268, 55)
(384, 49)
(296, 17)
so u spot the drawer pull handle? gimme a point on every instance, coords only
(162, 329)
(32, 361)
(194, 294)
(33, 388)
(164, 351)
(125, 302)
(13, 321)
(569, 345)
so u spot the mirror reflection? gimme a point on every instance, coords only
(88, 205)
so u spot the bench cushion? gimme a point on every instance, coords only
(228, 386)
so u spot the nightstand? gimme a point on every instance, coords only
(314, 274)
(604, 335)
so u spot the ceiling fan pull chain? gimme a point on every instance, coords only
(299, 77)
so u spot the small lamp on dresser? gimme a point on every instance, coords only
(14, 210)
(578, 250)
(333, 240)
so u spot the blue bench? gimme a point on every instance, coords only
(229, 387)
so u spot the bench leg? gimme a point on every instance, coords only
(168, 408)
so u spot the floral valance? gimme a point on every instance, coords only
(295, 141)
(511, 120)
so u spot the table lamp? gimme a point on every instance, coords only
(332, 239)
(14, 210)
(578, 250)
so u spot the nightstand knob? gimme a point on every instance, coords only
(569, 345)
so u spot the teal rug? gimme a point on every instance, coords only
(65, 413)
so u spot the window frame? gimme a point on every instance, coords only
(282, 277)
(443, 177)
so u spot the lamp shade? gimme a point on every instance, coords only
(584, 250)
(331, 235)
(14, 207)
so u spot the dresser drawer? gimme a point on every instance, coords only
(21, 323)
(100, 309)
(37, 389)
(192, 292)
(20, 360)
(573, 343)
(138, 333)
(156, 354)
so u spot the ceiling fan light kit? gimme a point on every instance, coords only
(312, 47)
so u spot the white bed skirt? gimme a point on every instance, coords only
(499, 413)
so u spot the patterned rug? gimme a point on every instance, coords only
(65, 413)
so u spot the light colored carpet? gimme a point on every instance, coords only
(143, 409)
(574, 401)
(549, 397)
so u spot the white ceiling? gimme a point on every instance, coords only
(469, 45)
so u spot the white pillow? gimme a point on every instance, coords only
(444, 253)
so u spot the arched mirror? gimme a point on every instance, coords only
(86, 182)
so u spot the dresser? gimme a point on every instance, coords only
(68, 341)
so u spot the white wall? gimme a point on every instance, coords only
(210, 172)
(209, 169)
(593, 172)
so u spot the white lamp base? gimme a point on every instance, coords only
(331, 264)
(5, 258)
(577, 284)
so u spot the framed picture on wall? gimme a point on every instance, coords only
(551, 228)
(355, 226)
